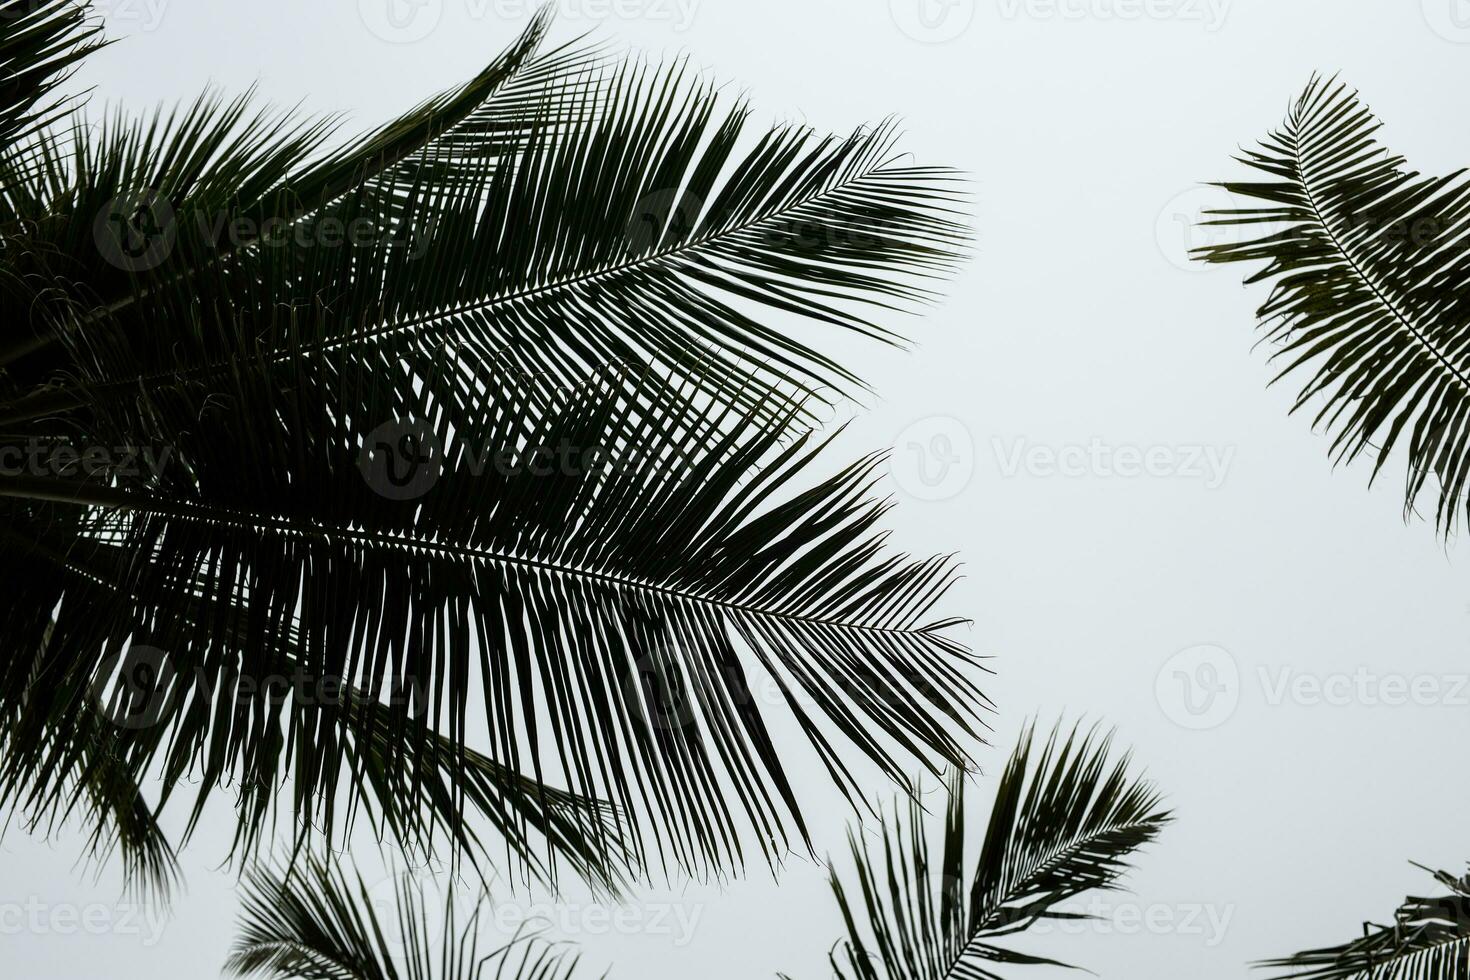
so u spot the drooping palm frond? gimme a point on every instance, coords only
(87, 760)
(41, 42)
(86, 781)
(1062, 826)
(1371, 288)
(601, 604)
(311, 921)
(1428, 940)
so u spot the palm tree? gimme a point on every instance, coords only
(1371, 288)
(1060, 826)
(311, 444)
(1429, 940)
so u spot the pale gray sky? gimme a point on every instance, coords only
(1084, 421)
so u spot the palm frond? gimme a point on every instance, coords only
(603, 602)
(41, 43)
(87, 761)
(73, 772)
(1060, 826)
(310, 921)
(1428, 940)
(640, 223)
(143, 214)
(86, 781)
(1370, 299)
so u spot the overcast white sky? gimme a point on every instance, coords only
(1077, 349)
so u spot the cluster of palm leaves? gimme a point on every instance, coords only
(1370, 302)
(1429, 940)
(609, 620)
(481, 499)
(1063, 822)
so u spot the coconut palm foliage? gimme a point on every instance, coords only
(41, 45)
(1370, 299)
(1064, 821)
(313, 922)
(411, 476)
(1428, 940)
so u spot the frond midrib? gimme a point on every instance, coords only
(1048, 859)
(693, 246)
(1362, 273)
(407, 544)
(315, 956)
(663, 256)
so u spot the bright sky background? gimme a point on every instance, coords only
(1078, 332)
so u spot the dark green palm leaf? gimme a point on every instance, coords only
(150, 214)
(41, 43)
(603, 603)
(311, 922)
(87, 760)
(1428, 940)
(86, 780)
(1371, 288)
(641, 222)
(1060, 826)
